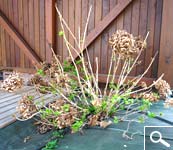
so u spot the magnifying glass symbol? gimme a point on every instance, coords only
(160, 140)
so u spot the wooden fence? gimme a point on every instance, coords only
(29, 27)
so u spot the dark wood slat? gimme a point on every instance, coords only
(97, 48)
(59, 39)
(7, 38)
(112, 29)
(65, 15)
(4, 63)
(91, 26)
(142, 32)
(150, 40)
(24, 23)
(71, 21)
(104, 39)
(135, 24)
(37, 26)
(157, 36)
(31, 16)
(50, 28)
(12, 53)
(17, 24)
(166, 44)
(42, 31)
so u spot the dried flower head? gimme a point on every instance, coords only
(125, 44)
(163, 88)
(12, 82)
(26, 107)
(62, 80)
(152, 97)
(63, 114)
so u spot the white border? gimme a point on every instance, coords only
(154, 127)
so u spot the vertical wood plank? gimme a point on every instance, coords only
(90, 28)
(1, 64)
(97, 48)
(4, 63)
(16, 25)
(1, 5)
(37, 26)
(166, 44)
(42, 30)
(31, 26)
(112, 30)
(135, 25)
(49, 23)
(71, 22)
(157, 35)
(127, 18)
(20, 24)
(120, 26)
(105, 37)
(142, 32)
(150, 40)
(59, 39)
(65, 16)
(12, 53)
(7, 37)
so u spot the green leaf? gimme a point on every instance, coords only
(30, 97)
(78, 62)
(66, 107)
(116, 120)
(77, 125)
(40, 72)
(60, 33)
(58, 134)
(141, 119)
(160, 114)
(151, 114)
(51, 145)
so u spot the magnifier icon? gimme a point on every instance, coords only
(160, 140)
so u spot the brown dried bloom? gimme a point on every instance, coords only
(125, 44)
(12, 82)
(152, 97)
(62, 79)
(26, 107)
(163, 88)
(63, 114)
(93, 120)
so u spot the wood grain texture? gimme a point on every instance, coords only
(135, 24)
(166, 44)
(18, 39)
(50, 28)
(59, 39)
(142, 32)
(11, 51)
(104, 39)
(16, 23)
(150, 40)
(37, 26)
(42, 30)
(9, 102)
(91, 26)
(157, 35)
(97, 48)
(65, 15)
